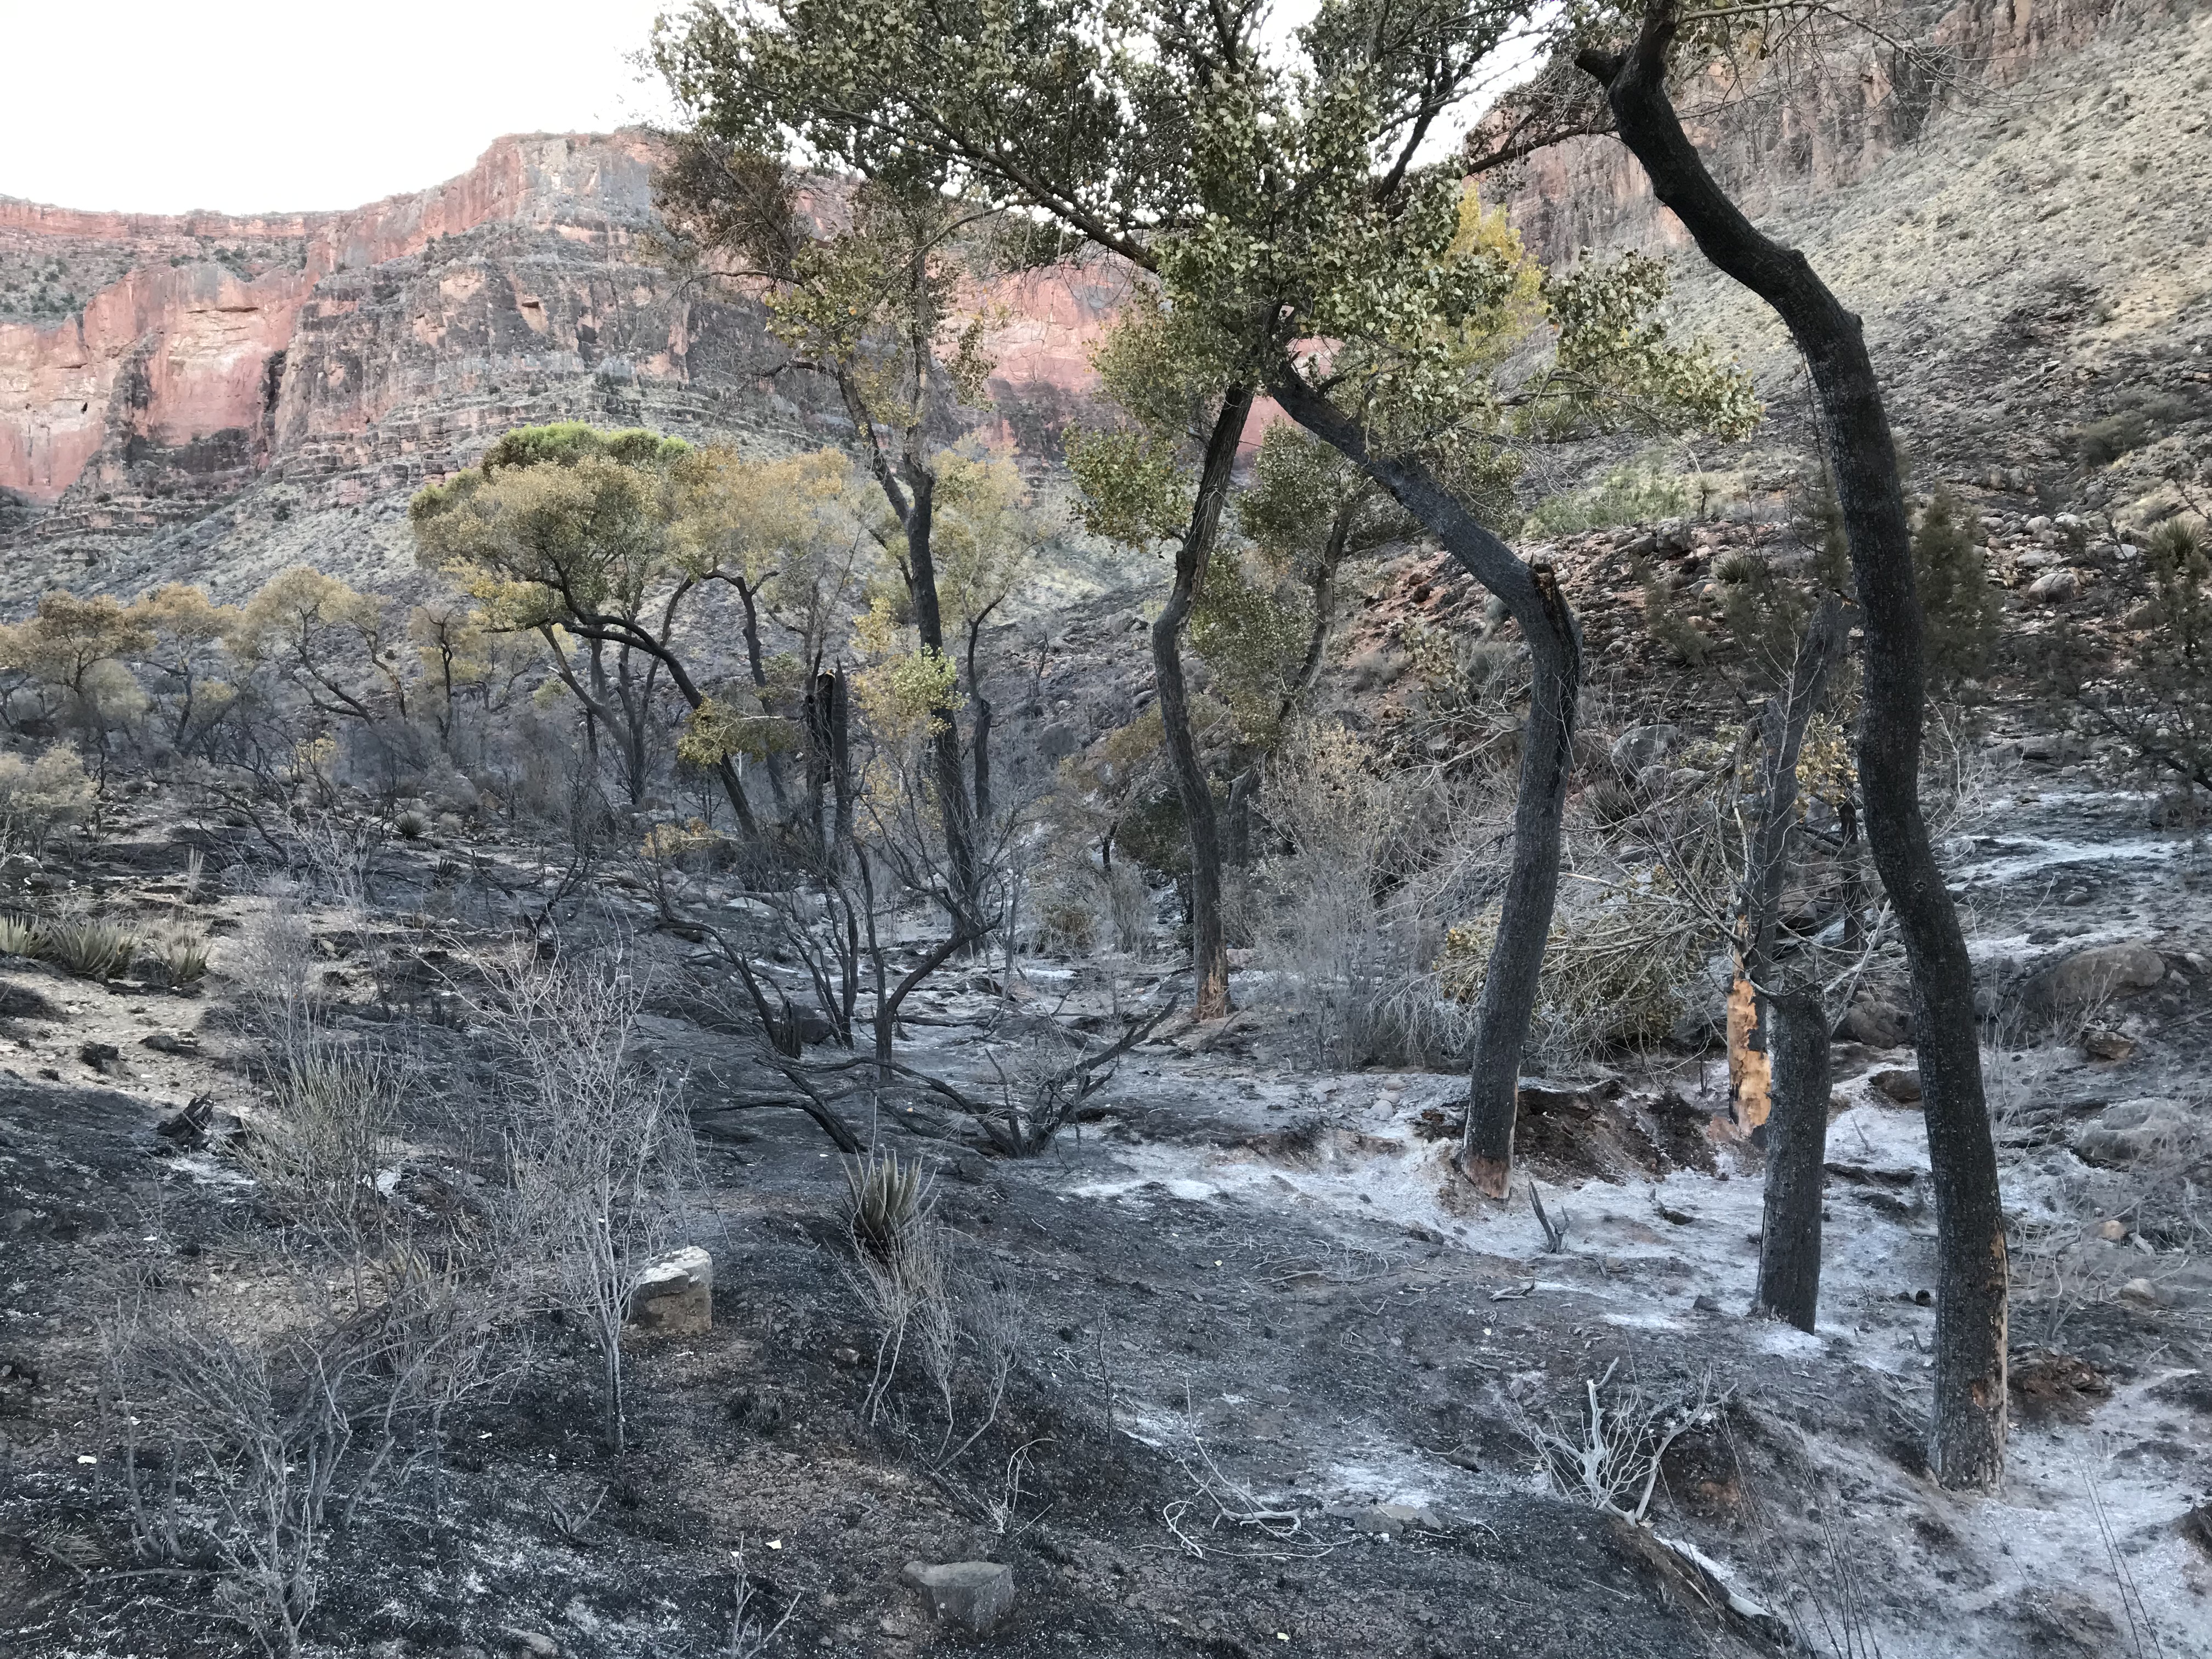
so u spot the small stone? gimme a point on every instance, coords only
(675, 1294)
(2106, 1045)
(1707, 1305)
(2140, 1291)
(846, 1357)
(975, 1594)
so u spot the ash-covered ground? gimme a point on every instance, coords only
(1276, 1378)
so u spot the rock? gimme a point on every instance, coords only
(1706, 1304)
(103, 1057)
(2054, 586)
(1877, 1022)
(1642, 746)
(676, 1295)
(2131, 1132)
(1388, 1520)
(2106, 1045)
(1903, 1087)
(2090, 977)
(2140, 1291)
(973, 1595)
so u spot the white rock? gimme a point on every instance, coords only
(675, 1294)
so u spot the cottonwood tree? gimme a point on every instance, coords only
(1968, 1435)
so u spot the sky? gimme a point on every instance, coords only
(258, 106)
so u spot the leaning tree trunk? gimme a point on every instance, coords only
(1967, 1437)
(1796, 1148)
(1209, 951)
(1531, 595)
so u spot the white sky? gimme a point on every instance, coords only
(262, 105)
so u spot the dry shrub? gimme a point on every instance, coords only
(601, 1153)
(1615, 966)
(1370, 858)
(40, 796)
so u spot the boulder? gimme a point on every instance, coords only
(675, 1294)
(2054, 586)
(2107, 1045)
(2131, 1132)
(1642, 746)
(2090, 977)
(973, 1595)
(1878, 1023)
(1900, 1087)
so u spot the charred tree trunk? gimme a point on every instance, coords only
(1530, 592)
(1767, 866)
(1209, 953)
(1796, 1149)
(955, 808)
(1967, 1437)
(748, 595)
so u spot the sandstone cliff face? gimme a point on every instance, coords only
(234, 376)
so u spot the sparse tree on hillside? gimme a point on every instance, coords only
(76, 652)
(1966, 1442)
(188, 658)
(570, 533)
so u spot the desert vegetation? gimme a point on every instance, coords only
(711, 1042)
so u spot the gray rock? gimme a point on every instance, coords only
(1877, 1022)
(1641, 746)
(973, 1595)
(675, 1294)
(2054, 586)
(2131, 1132)
(2090, 977)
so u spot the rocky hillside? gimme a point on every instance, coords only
(2026, 247)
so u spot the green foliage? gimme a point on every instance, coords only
(722, 726)
(178, 953)
(1252, 631)
(1635, 493)
(1131, 487)
(1615, 369)
(1960, 612)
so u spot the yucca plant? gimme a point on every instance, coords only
(884, 1199)
(20, 937)
(178, 953)
(89, 946)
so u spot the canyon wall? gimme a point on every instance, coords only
(339, 359)
(1780, 138)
